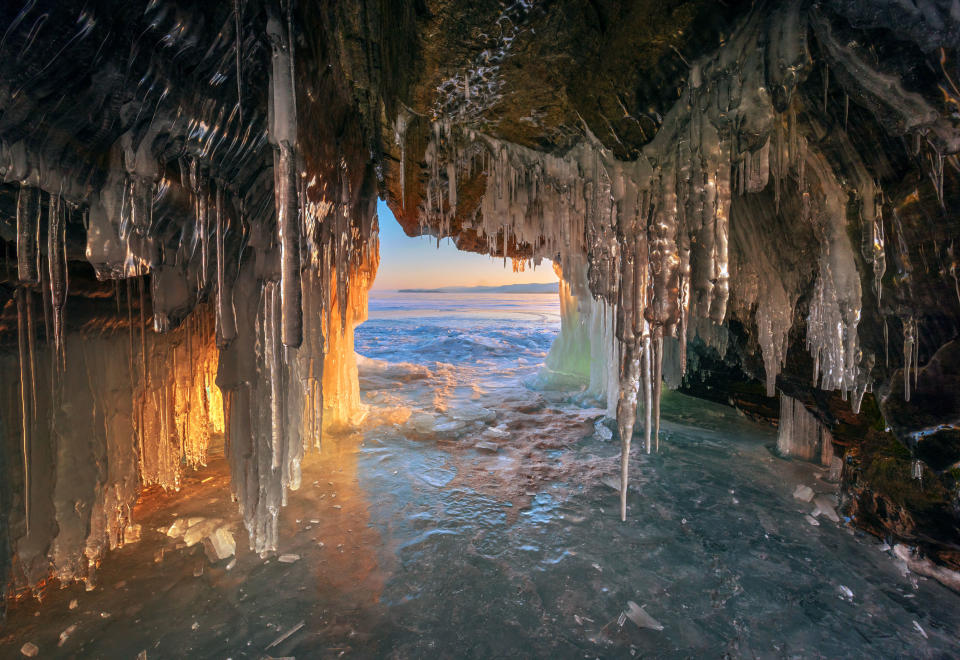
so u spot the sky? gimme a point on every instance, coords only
(417, 263)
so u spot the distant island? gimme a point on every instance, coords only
(547, 287)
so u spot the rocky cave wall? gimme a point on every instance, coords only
(742, 198)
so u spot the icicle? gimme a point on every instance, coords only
(288, 227)
(627, 415)
(225, 319)
(56, 260)
(886, 344)
(238, 47)
(646, 376)
(657, 387)
(283, 137)
(32, 349)
(910, 354)
(131, 370)
(28, 222)
(271, 313)
(200, 185)
(25, 402)
(144, 379)
(400, 137)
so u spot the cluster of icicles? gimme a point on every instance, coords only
(102, 415)
(657, 232)
(256, 307)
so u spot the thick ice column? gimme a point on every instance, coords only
(341, 390)
(568, 362)
(801, 435)
(283, 137)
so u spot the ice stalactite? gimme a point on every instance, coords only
(25, 408)
(226, 322)
(261, 390)
(283, 137)
(56, 260)
(238, 55)
(400, 138)
(278, 399)
(910, 355)
(90, 443)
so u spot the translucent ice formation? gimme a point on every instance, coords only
(801, 435)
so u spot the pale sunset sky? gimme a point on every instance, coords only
(417, 263)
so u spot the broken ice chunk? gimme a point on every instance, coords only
(602, 432)
(177, 529)
(640, 617)
(491, 447)
(824, 505)
(451, 427)
(199, 531)
(288, 559)
(220, 544)
(471, 413)
(30, 650)
(422, 422)
(497, 433)
(803, 493)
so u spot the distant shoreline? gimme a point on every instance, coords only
(547, 287)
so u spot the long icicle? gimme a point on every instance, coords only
(657, 387)
(226, 323)
(283, 137)
(627, 415)
(24, 399)
(32, 348)
(647, 394)
(57, 268)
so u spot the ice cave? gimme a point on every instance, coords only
(731, 428)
